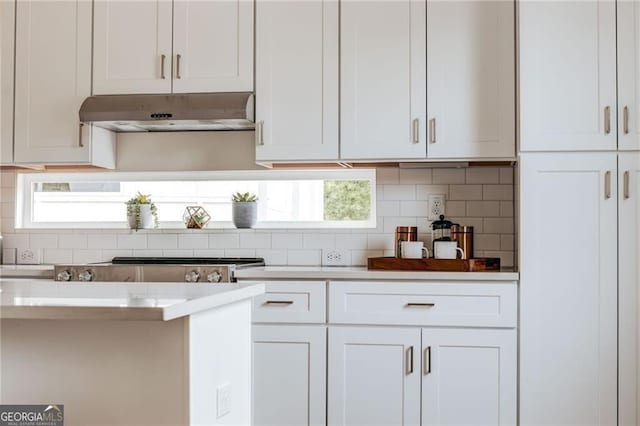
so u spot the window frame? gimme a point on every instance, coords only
(25, 181)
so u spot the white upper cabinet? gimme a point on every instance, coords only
(181, 46)
(132, 47)
(629, 279)
(471, 79)
(7, 18)
(212, 46)
(569, 275)
(629, 74)
(383, 79)
(53, 77)
(568, 75)
(296, 80)
(469, 377)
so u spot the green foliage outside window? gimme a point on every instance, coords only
(347, 200)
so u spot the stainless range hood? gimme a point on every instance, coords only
(170, 113)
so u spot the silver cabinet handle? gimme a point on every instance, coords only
(409, 361)
(432, 130)
(80, 142)
(279, 302)
(427, 360)
(178, 58)
(259, 133)
(625, 120)
(625, 181)
(163, 58)
(607, 120)
(416, 130)
(607, 185)
(419, 305)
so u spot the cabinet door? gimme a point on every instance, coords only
(7, 20)
(383, 79)
(568, 289)
(132, 47)
(567, 75)
(374, 376)
(469, 377)
(471, 79)
(629, 74)
(214, 41)
(629, 280)
(53, 77)
(296, 80)
(289, 375)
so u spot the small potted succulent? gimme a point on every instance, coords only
(141, 212)
(245, 209)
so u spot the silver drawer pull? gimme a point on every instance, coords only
(607, 120)
(419, 305)
(427, 361)
(279, 302)
(409, 361)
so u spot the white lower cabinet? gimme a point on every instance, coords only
(289, 375)
(353, 369)
(374, 376)
(469, 377)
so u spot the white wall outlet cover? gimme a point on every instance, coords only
(26, 256)
(336, 257)
(436, 206)
(223, 393)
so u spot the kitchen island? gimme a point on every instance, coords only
(129, 354)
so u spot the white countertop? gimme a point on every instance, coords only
(23, 298)
(362, 273)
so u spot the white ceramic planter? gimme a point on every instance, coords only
(245, 215)
(146, 218)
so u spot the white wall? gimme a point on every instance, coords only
(481, 197)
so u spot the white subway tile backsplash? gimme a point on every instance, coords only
(53, 256)
(133, 241)
(399, 192)
(351, 241)
(8, 256)
(260, 240)
(102, 241)
(318, 241)
(286, 241)
(449, 176)
(483, 208)
(380, 242)
(479, 197)
(190, 241)
(304, 257)
(72, 241)
(465, 192)
(414, 208)
(477, 175)
(497, 192)
(415, 176)
(162, 241)
(224, 241)
(43, 241)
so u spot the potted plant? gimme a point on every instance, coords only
(141, 212)
(196, 217)
(245, 209)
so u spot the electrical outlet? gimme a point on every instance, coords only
(336, 257)
(436, 206)
(224, 399)
(28, 256)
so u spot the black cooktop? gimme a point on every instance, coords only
(253, 261)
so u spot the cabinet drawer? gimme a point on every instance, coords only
(291, 301)
(468, 304)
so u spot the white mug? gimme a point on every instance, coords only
(413, 250)
(447, 250)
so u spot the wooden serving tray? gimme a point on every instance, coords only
(480, 264)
